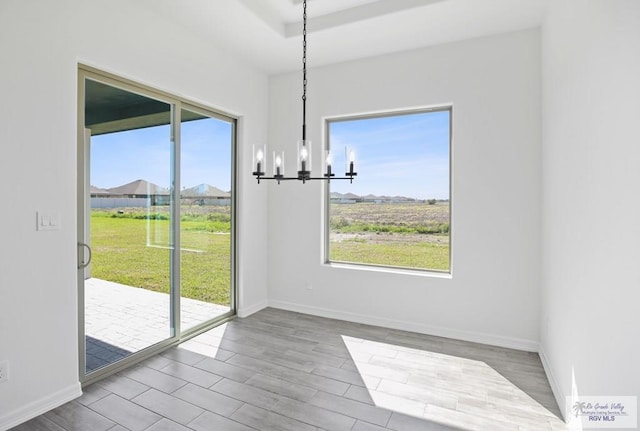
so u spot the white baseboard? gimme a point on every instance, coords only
(553, 382)
(247, 311)
(38, 407)
(475, 337)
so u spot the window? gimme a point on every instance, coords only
(397, 213)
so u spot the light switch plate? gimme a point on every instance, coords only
(47, 220)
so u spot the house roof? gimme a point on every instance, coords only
(98, 191)
(205, 190)
(139, 187)
(336, 195)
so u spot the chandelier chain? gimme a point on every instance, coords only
(304, 70)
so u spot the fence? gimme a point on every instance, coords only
(145, 202)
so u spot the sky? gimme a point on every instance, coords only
(401, 155)
(123, 157)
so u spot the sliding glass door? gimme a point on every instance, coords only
(155, 221)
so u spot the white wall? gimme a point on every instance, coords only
(493, 294)
(591, 183)
(41, 44)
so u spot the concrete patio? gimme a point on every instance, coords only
(121, 320)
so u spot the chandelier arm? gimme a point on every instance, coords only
(348, 177)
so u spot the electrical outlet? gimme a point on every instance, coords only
(4, 371)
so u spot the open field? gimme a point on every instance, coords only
(131, 246)
(412, 235)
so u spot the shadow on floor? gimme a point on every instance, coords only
(101, 354)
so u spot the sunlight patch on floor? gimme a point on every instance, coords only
(459, 392)
(208, 343)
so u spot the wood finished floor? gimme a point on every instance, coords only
(278, 370)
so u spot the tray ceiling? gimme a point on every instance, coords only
(267, 33)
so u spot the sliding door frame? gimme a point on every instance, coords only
(83, 194)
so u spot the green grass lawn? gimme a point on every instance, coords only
(134, 251)
(416, 255)
(132, 247)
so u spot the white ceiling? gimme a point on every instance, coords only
(267, 33)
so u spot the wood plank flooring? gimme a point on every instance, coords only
(278, 370)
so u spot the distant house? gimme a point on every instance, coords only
(351, 198)
(348, 198)
(142, 193)
(97, 192)
(373, 198)
(204, 194)
(141, 189)
(136, 194)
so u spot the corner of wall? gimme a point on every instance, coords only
(246, 311)
(553, 382)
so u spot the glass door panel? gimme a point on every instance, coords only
(127, 286)
(206, 159)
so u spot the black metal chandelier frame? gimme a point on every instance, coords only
(304, 175)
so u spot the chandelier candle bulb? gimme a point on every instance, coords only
(329, 161)
(304, 157)
(259, 152)
(278, 165)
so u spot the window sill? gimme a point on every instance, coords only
(389, 270)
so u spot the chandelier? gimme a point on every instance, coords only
(304, 145)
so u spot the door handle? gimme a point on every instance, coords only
(82, 264)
